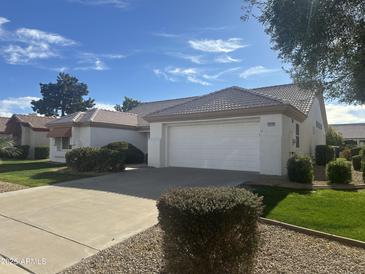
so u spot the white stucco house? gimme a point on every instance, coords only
(28, 130)
(234, 128)
(95, 128)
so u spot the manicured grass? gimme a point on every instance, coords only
(332, 211)
(36, 172)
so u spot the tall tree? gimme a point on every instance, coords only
(334, 138)
(322, 40)
(63, 97)
(128, 104)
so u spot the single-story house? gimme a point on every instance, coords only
(95, 128)
(28, 130)
(233, 128)
(3, 121)
(352, 132)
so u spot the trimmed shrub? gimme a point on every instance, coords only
(83, 159)
(362, 154)
(324, 154)
(23, 152)
(95, 159)
(355, 151)
(356, 162)
(41, 152)
(209, 230)
(339, 171)
(132, 154)
(300, 169)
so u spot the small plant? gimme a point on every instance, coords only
(339, 171)
(355, 151)
(300, 169)
(41, 152)
(7, 148)
(346, 153)
(209, 230)
(324, 154)
(23, 152)
(356, 162)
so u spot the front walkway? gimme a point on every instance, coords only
(50, 228)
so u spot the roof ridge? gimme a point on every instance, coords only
(94, 114)
(168, 100)
(271, 97)
(116, 111)
(292, 84)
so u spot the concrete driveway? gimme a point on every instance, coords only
(47, 229)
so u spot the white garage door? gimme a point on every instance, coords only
(233, 146)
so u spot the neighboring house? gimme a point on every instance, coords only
(3, 121)
(95, 128)
(234, 128)
(238, 129)
(28, 130)
(352, 132)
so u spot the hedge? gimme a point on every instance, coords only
(300, 169)
(324, 154)
(355, 151)
(95, 159)
(209, 230)
(339, 171)
(356, 162)
(132, 154)
(23, 152)
(41, 152)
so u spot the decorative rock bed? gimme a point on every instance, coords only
(281, 251)
(6, 187)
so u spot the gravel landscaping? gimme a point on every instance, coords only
(6, 187)
(281, 251)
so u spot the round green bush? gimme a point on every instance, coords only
(356, 162)
(339, 171)
(132, 154)
(41, 152)
(300, 169)
(110, 160)
(83, 159)
(209, 230)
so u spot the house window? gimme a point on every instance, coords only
(318, 125)
(62, 143)
(297, 135)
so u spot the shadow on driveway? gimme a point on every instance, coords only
(151, 182)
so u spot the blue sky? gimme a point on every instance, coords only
(148, 50)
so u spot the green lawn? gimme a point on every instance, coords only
(36, 172)
(332, 211)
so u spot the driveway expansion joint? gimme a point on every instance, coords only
(50, 232)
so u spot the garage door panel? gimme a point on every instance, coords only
(232, 146)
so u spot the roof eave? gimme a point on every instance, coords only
(283, 108)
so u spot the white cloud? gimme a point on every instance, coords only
(340, 113)
(189, 74)
(12, 105)
(35, 36)
(218, 45)
(113, 56)
(106, 106)
(15, 54)
(219, 74)
(91, 61)
(257, 70)
(196, 59)
(225, 59)
(166, 34)
(121, 4)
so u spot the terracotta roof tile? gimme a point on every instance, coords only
(351, 131)
(37, 122)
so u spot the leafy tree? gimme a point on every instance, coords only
(7, 148)
(128, 104)
(334, 138)
(322, 40)
(63, 97)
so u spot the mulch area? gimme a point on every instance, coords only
(281, 251)
(6, 187)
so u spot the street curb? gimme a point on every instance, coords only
(311, 232)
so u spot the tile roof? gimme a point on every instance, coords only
(36, 122)
(351, 131)
(236, 98)
(149, 107)
(3, 121)
(99, 116)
